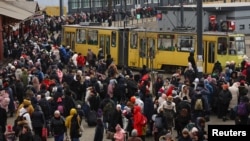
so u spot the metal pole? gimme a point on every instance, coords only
(123, 44)
(90, 5)
(61, 7)
(199, 38)
(182, 13)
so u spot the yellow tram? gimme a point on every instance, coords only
(109, 39)
(155, 49)
(169, 50)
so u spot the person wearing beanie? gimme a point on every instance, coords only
(58, 126)
(134, 136)
(168, 108)
(185, 136)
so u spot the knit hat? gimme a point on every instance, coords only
(170, 98)
(133, 99)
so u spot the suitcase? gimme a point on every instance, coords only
(92, 118)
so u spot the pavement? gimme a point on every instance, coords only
(89, 132)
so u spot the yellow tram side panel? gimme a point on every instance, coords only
(67, 30)
(164, 56)
(236, 58)
(222, 58)
(210, 42)
(133, 50)
(91, 39)
(173, 56)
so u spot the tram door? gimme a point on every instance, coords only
(105, 45)
(209, 56)
(70, 39)
(147, 52)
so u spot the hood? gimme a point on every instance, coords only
(236, 85)
(73, 111)
(26, 102)
(182, 87)
(137, 109)
(198, 122)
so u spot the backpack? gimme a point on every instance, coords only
(158, 122)
(198, 104)
(242, 109)
(75, 127)
(17, 127)
(108, 109)
(144, 120)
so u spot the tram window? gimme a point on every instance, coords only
(222, 46)
(232, 48)
(67, 38)
(185, 43)
(165, 42)
(133, 40)
(211, 58)
(113, 39)
(142, 47)
(240, 46)
(107, 44)
(92, 37)
(81, 36)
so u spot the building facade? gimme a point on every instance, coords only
(90, 6)
(235, 13)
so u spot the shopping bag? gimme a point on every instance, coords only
(44, 132)
(110, 135)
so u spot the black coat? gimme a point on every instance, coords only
(37, 118)
(26, 137)
(99, 131)
(3, 121)
(58, 126)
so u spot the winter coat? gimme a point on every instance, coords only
(37, 118)
(225, 96)
(68, 100)
(99, 131)
(73, 111)
(26, 137)
(23, 112)
(235, 93)
(58, 125)
(137, 120)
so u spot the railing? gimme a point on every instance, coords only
(131, 22)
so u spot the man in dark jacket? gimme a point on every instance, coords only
(192, 61)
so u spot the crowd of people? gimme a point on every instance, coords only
(51, 89)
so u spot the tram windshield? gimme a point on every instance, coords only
(237, 46)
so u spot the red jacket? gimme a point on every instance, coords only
(80, 60)
(137, 120)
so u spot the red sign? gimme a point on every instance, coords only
(212, 18)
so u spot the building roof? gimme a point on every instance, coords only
(16, 10)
